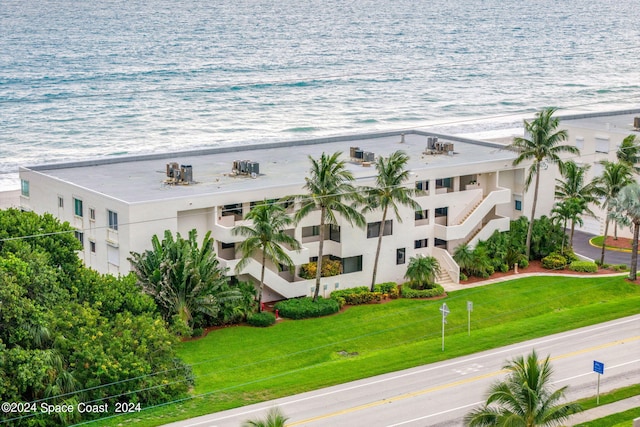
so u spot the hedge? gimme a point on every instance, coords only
(436, 291)
(388, 288)
(303, 308)
(262, 319)
(583, 266)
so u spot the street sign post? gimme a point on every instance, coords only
(445, 312)
(469, 310)
(599, 368)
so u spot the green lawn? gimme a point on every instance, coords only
(242, 365)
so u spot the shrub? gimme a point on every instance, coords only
(619, 267)
(408, 292)
(583, 266)
(329, 268)
(463, 277)
(262, 319)
(554, 261)
(197, 332)
(303, 308)
(503, 268)
(356, 296)
(524, 263)
(388, 288)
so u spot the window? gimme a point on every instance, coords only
(422, 243)
(234, 209)
(441, 212)
(422, 215)
(580, 143)
(113, 220)
(334, 233)
(422, 185)
(24, 187)
(92, 214)
(80, 236)
(445, 182)
(373, 229)
(77, 207)
(518, 205)
(225, 245)
(311, 231)
(92, 246)
(352, 264)
(400, 255)
(60, 202)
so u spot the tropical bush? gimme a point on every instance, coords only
(262, 319)
(388, 288)
(409, 292)
(356, 296)
(554, 261)
(329, 268)
(185, 280)
(583, 266)
(303, 308)
(422, 271)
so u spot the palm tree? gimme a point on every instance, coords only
(182, 278)
(541, 145)
(614, 177)
(266, 236)
(463, 255)
(561, 212)
(523, 398)
(629, 152)
(389, 193)
(329, 186)
(626, 207)
(422, 271)
(575, 192)
(274, 418)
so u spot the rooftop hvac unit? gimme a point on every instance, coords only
(173, 170)
(368, 156)
(359, 154)
(243, 166)
(186, 173)
(447, 146)
(636, 123)
(352, 152)
(431, 142)
(253, 168)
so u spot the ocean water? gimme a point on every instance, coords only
(83, 79)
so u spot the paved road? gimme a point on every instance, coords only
(440, 394)
(581, 246)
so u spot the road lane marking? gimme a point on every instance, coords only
(451, 385)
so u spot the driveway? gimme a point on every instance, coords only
(582, 247)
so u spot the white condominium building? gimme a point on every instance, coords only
(466, 189)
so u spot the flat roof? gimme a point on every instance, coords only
(142, 178)
(609, 122)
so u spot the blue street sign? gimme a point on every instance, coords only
(598, 367)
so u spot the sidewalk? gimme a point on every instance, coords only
(604, 410)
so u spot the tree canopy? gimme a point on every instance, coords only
(69, 334)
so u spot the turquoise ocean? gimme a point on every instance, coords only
(85, 79)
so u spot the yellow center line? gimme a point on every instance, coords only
(450, 385)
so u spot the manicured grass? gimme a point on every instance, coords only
(612, 396)
(622, 419)
(242, 365)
